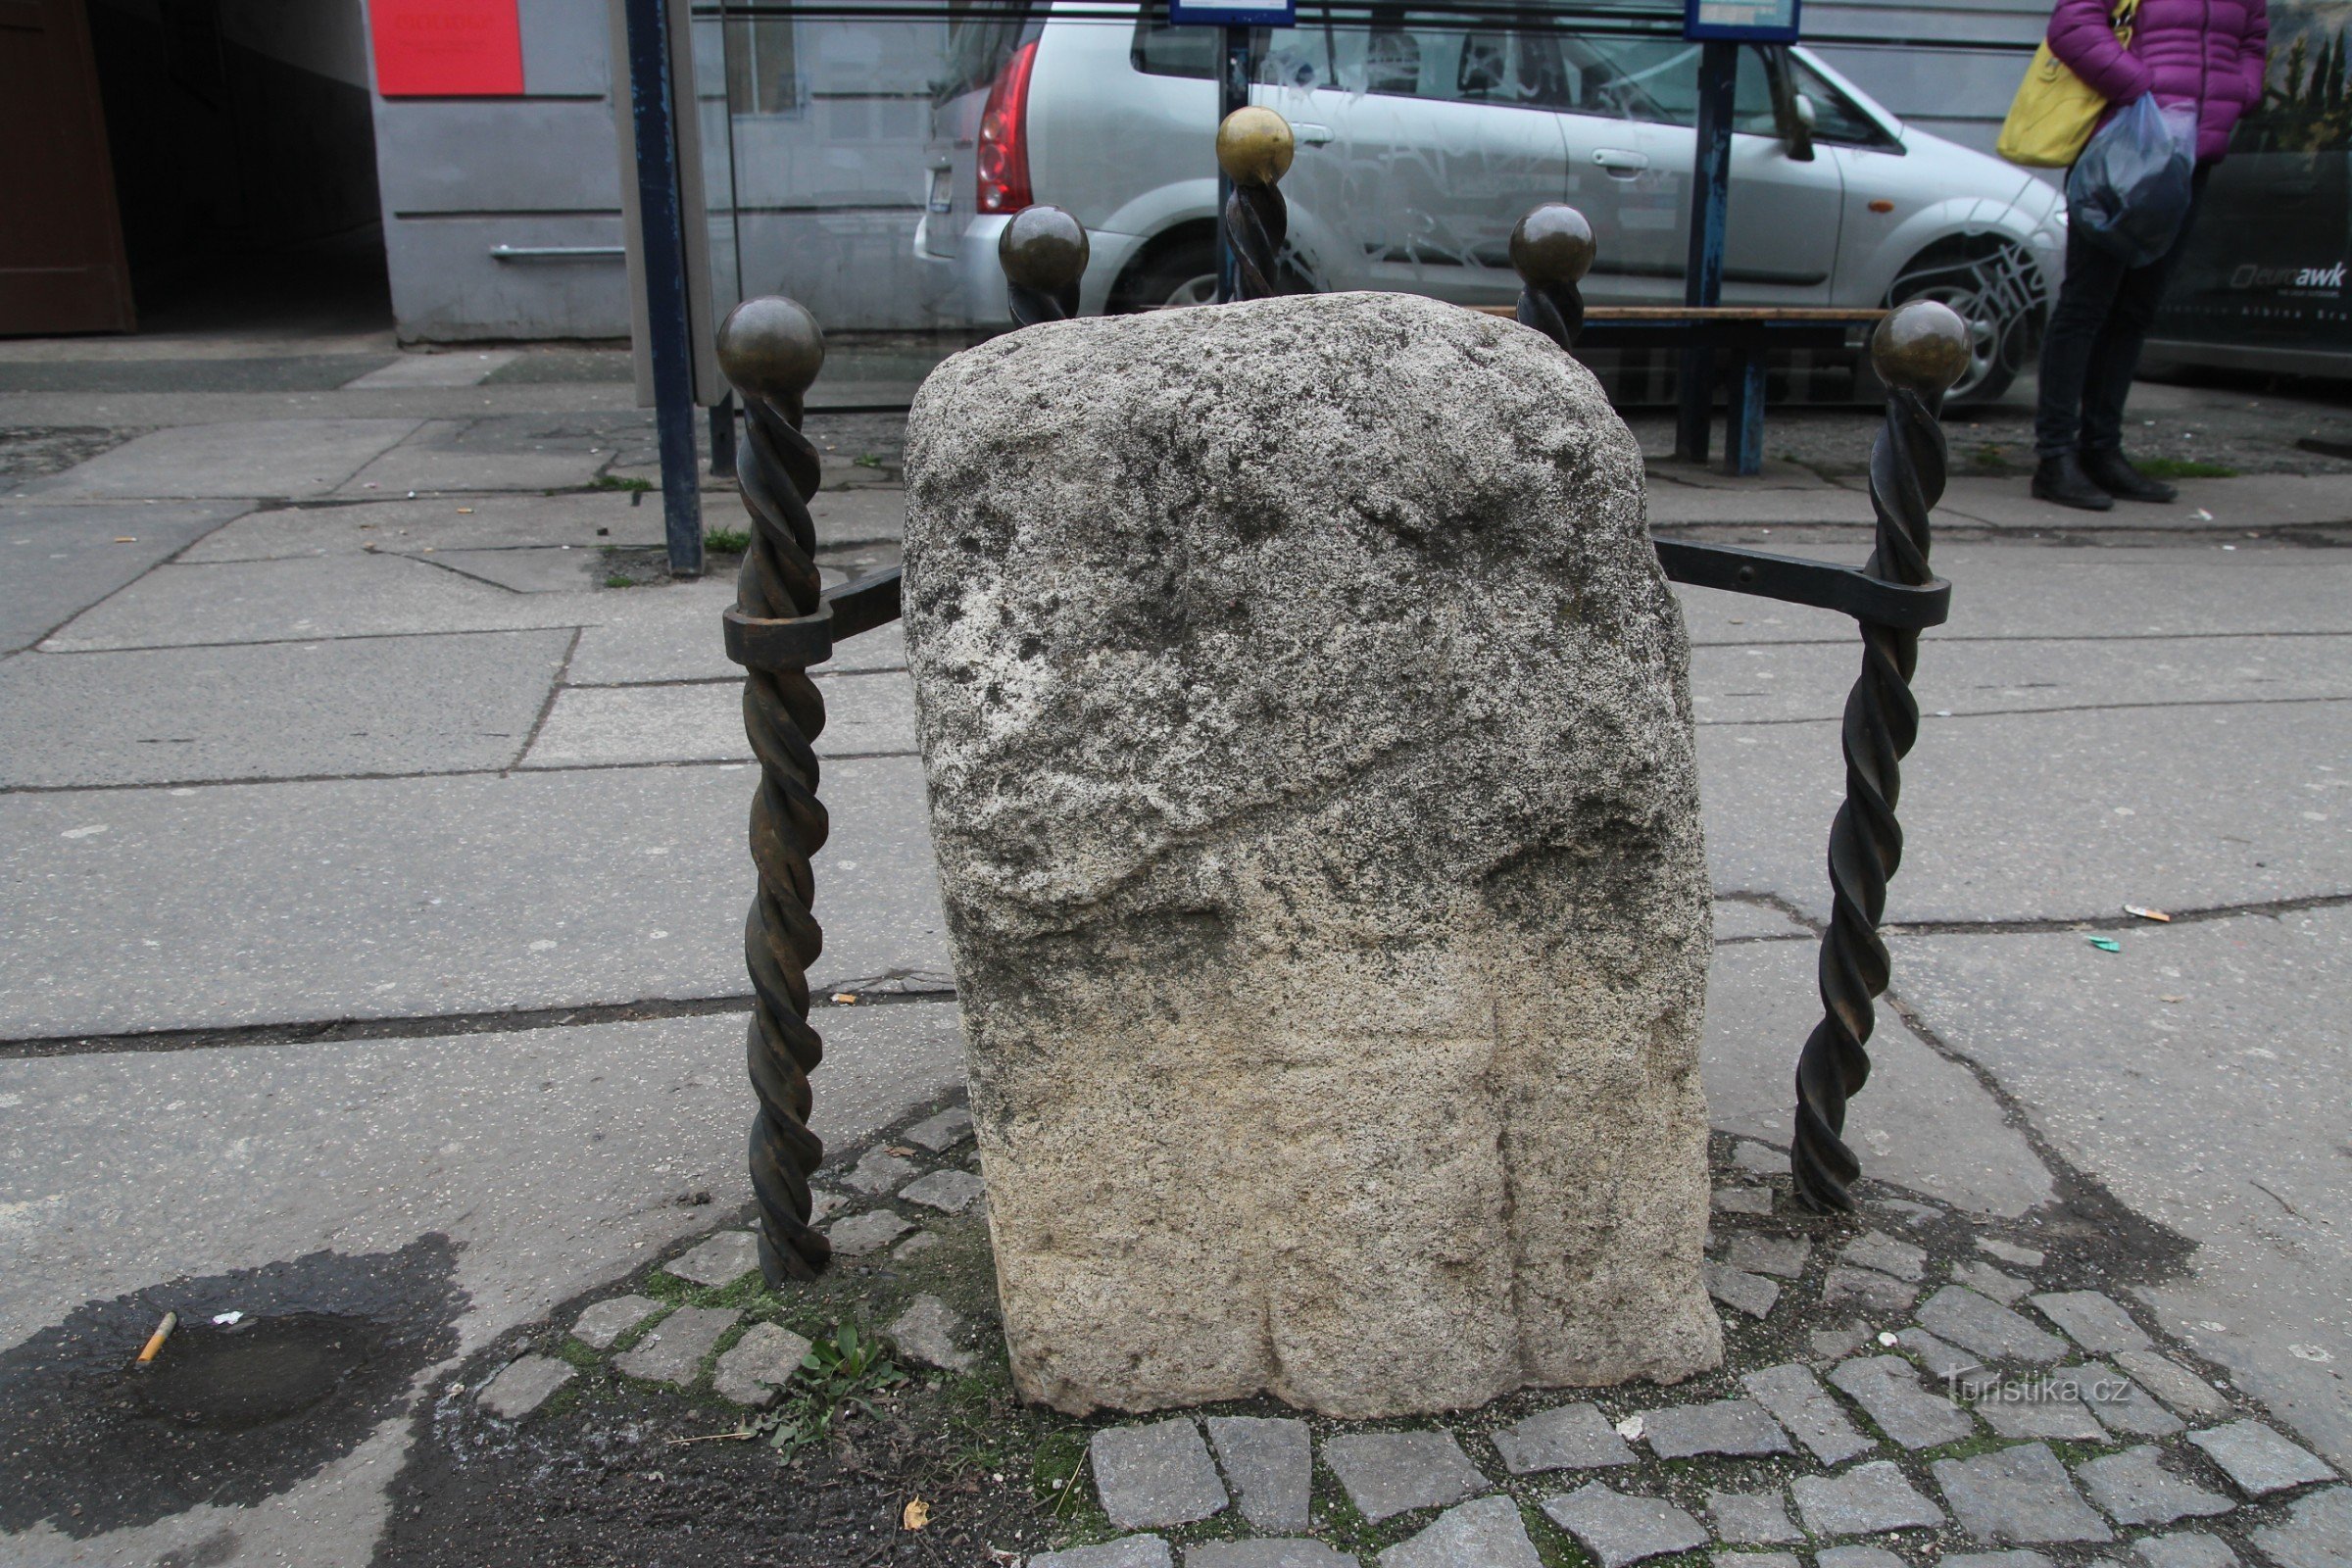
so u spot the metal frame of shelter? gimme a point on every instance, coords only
(785, 623)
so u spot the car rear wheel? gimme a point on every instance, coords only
(1185, 273)
(1994, 286)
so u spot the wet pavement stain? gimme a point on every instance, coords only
(326, 1350)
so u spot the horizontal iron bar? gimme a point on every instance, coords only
(1818, 584)
(557, 253)
(873, 600)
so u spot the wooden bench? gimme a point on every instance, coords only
(1744, 333)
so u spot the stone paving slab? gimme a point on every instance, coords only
(364, 1146)
(863, 1234)
(1269, 1465)
(458, 368)
(2182, 1390)
(1265, 1554)
(1752, 1518)
(2093, 1321)
(1858, 1558)
(2018, 1496)
(2040, 1406)
(1768, 682)
(1738, 1428)
(1988, 1281)
(2258, 501)
(2259, 1461)
(864, 515)
(1738, 1289)
(1886, 1388)
(2133, 1487)
(1868, 1290)
(1941, 1359)
(1572, 1437)
(1867, 1501)
(1388, 1473)
(1874, 1250)
(586, 521)
(1783, 1256)
(290, 457)
(931, 1332)
(1155, 1475)
(865, 715)
(393, 704)
(1486, 1533)
(2122, 1405)
(754, 1370)
(1132, 1551)
(2185, 1549)
(950, 1192)
(469, 455)
(672, 1349)
(1924, 1122)
(2317, 1534)
(942, 1132)
(2181, 1108)
(1799, 1403)
(273, 902)
(57, 561)
(1620, 1529)
(877, 1171)
(599, 1326)
(553, 569)
(1988, 1328)
(2066, 815)
(524, 1385)
(718, 1261)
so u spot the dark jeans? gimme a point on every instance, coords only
(2092, 348)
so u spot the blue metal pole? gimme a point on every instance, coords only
(1710, 206)
(1234, 76)
(663, 247)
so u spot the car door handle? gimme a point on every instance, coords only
(1619, 162)
(1311, 135)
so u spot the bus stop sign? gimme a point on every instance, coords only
(1741, 20)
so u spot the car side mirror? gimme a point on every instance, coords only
(1797, 128)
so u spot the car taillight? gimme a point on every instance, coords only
(1003, 155)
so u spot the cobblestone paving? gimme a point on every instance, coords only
(1968, 1427)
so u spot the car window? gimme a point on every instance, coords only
(1658, 80)
(977, 49)
(1836, 116)
(1388, 58)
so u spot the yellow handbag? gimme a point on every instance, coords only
(2051, 119)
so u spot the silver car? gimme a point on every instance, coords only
(1420, 145)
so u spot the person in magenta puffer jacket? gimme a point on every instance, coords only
(2205, 53)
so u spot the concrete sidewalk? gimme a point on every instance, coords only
(379, 872)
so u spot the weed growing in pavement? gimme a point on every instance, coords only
(867, 459)
(726, 541)
(620, 579)
(615, 481)
(841, 1373)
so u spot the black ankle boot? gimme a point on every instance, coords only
(2111, 473)
(2062, 480)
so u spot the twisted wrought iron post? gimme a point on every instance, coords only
(1919, 352)
(1552, 250)
(1254, 148)
(771, 349)
(1044, 252)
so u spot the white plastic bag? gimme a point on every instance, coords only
(2128, 191)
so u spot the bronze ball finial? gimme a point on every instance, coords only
(1044, 248)
(772, 347)
(1921, 346)
(1551, 246)
(1254, 146)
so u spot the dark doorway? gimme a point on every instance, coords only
(61, 266)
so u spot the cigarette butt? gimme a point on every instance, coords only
(155, 1341)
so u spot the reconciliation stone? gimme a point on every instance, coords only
(673, 1349)
(1574, 1437)
(2009, 1253)
(2185, 1549)
(1799, 1403)
(1487, 1532)
(1784, 1256)
(927, 1332)
(524, 1384)
(719, 1261)
(1131, 1552)
(1863, 1501)
(1742, 1200)
(1942, 1360)
(2257, 1460)
(862, 1235)
(2317, 1532)
(1886, 1388)
(754, 1368)
(1986, 1327)
(878, 1171)
(1208, 803)
(2018, 1496)
(1858, 1558)
(2093, 1321)
(1752, 1518)
(2133, 1488)
(1270, 1465)
(1740, 1290)
(2043, 1405)
(2174, 1384)
(1390, 1472)
(1875, 1251)
(1736, 1427)
(1155, 1475)
(1875, 1291)
(1265, 1554)
(942, 1132)
(1985, 1280)
(1620, 1529)
(950, 1192)
(597, 1326)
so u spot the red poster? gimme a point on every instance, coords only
(447, 48)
